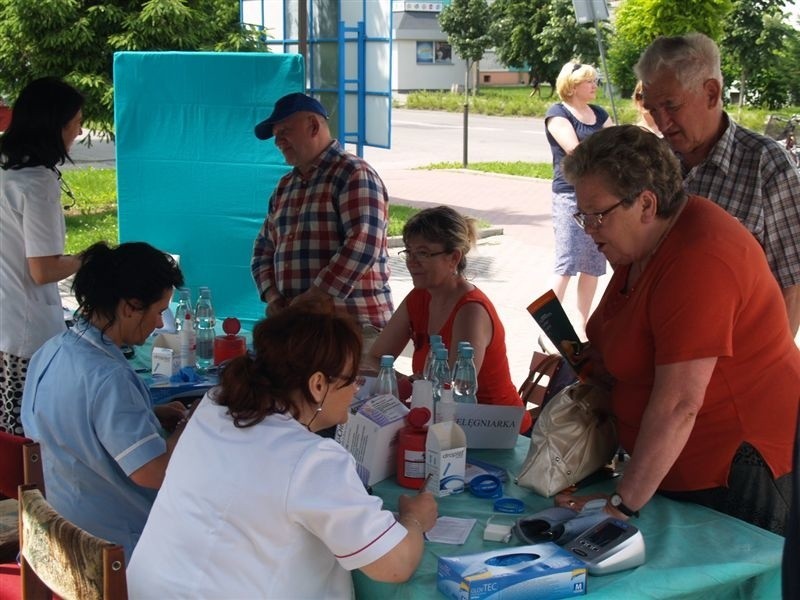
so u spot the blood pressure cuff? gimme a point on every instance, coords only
(544, 526)
(559, 525)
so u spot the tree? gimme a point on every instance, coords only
(639, 22)
(76, 40)
(466, 23)
(541, 35)
(754, 36)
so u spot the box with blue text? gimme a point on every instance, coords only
(539, 571)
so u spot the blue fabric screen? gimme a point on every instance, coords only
(192, 179)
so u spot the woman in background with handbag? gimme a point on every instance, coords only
(693, 332)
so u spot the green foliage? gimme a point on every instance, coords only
(76, 40)
(639, 22)
(466, 23)
(541, 35)
(755, 35)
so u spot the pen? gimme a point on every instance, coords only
(424, 487)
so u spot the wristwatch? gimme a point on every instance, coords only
(616, 502)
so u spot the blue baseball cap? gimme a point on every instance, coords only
(286, 107)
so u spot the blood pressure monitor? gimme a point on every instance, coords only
(610, 546)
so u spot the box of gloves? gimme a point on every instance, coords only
(541, 571)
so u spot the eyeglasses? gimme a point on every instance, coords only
(595, 219)
(355, 379)
(418, 255)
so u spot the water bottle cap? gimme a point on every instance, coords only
(441, 352)
(467, 352)
(418, 416)
(434, 337)
(387, 360)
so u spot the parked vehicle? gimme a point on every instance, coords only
(783, 129)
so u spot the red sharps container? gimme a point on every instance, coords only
(411, 449)
(229, 345)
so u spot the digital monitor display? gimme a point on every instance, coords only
(608, 533)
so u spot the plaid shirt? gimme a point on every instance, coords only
(752, 177)
(329, 230)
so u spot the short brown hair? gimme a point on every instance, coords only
(630, 160)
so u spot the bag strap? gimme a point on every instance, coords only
(541, 365)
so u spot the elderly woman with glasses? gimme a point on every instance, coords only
(566, 124)
(255, 504)
(692, 335)
(444, 302)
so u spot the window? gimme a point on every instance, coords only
(430, 53)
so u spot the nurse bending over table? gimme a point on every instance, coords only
(691, 333)
(103, 451)
(255, 504)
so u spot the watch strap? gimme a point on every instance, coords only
(617, 503)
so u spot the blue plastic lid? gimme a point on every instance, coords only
(387, 360)
(441, 352)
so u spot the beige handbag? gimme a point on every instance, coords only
(574, 436)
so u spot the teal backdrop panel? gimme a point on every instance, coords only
(192, 179)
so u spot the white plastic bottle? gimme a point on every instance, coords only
(446, 407)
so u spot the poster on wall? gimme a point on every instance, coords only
(425, 52)
(444, 53)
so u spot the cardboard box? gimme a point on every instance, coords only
(539, 571)
(445, 458)
(166, 356)
(370, 435)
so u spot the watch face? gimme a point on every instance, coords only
(616, 500)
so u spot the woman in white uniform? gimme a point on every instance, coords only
(45, 121)
(254, 503)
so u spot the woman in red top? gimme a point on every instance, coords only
(444, 302)
(691, 332)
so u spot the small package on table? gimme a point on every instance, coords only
(536, 572)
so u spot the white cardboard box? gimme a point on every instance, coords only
(370, 435)
(166, 356)
(445, 458)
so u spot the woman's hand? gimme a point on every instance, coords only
(566, 499)
(420, 509)
(170, 414)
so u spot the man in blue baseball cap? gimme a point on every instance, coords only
(324, 237)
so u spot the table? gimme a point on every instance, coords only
(692, 551)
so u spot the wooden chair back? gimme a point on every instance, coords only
(57, 557)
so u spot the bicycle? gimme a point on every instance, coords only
(782, 129)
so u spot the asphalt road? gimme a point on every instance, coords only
(419, 137)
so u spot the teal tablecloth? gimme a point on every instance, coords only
(692, 551)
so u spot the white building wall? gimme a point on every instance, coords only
(408, 75)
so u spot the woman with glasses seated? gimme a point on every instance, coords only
(45, 121)
(255, 504)
(692, 335)
(444, 302)
(566, 124)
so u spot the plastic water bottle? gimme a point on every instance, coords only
(184, 306)
(204, 324)
(435, 341)
(386, 383)
(440, 375)
(465, 379)
(446, 408)
(188, 341)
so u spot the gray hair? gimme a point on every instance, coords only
(630, 160)
(692, 58)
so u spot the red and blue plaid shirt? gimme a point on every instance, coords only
(329, 230)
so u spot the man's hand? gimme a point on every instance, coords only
(170, 414)
(276, 305)
(316, 298)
